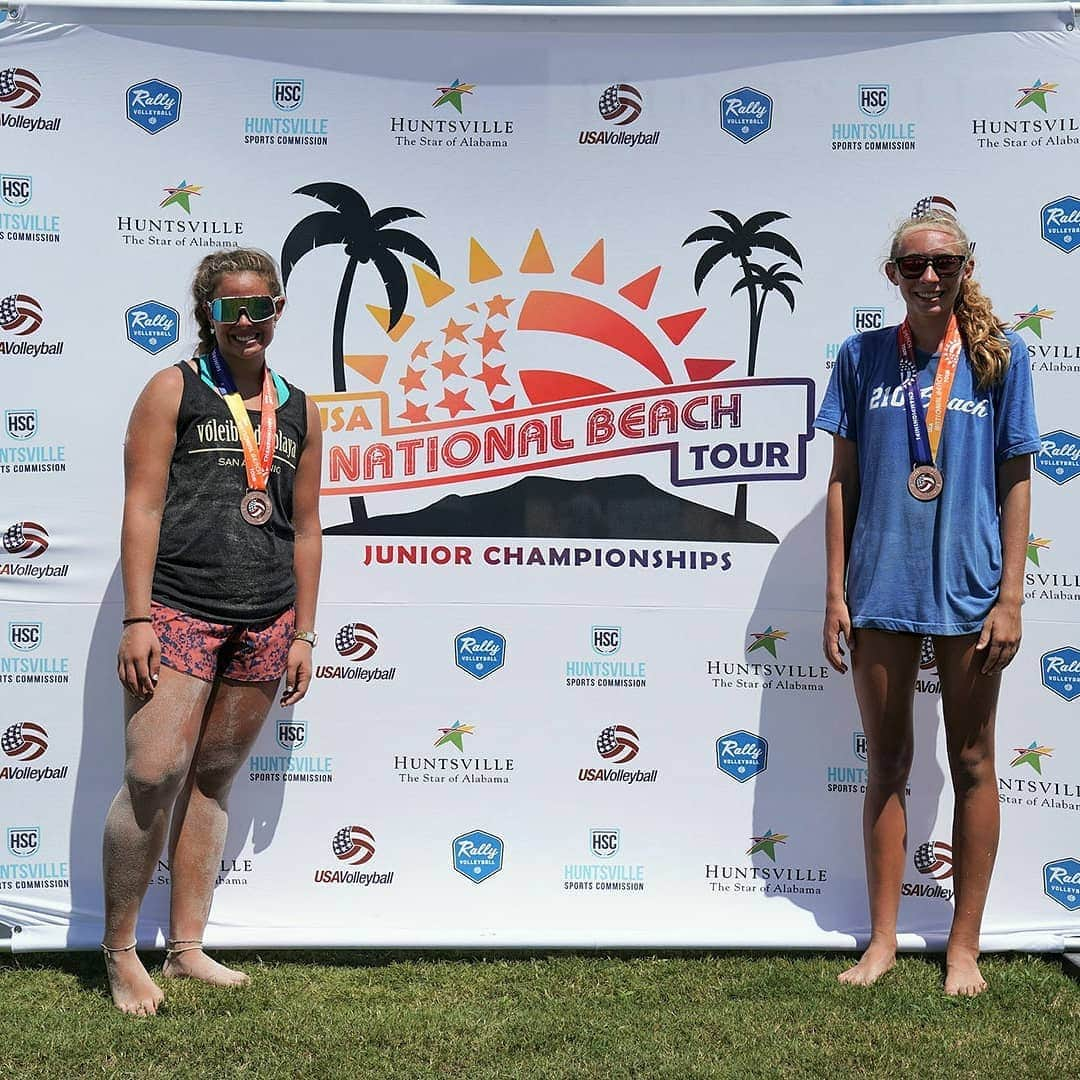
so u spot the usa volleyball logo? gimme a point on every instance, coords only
(617, 744)
(20, 314)
(935, 859)
(27, 539)
(620, 104)
(25, 741)
(19, 88)
(356, 641)
(354, 844)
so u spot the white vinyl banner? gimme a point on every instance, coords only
(568, 294)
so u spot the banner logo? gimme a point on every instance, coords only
(452, 94)
(480, 652)
(1058, 458)
(288, 94)
(620, 104)
(454, 735)
(1035, 545)
(1061, 223)
(26, 741)
(1036, 95)
(1032, 755)
(27, 539)
(354, 844)
(873, 98)
(19, 88)
(858, 744)
(617, 744)
(24, 636)
(20, 423)
(16, 190)
(934, 858)
(153, 105)
(357, 641)
(1061, 672)
(20, 314)
(1061, 882)
(606, 640)
(152, 326)
(181, 195)
(746, 113)
(766, 845)
(23, 841)
(742, 755)
(604, 842)
(767, 640)
(867, 318)
(927, 203)
(477, 855)
(291, 734)
(1032, 320)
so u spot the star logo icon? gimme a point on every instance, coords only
(491, 376)
(1036, 94)
(1035, 545)
(453, 734)
(415, 414)
(181, 195)
(413, 380)
(1031, 755)
(499, 305)
(490, 341)
(452, 94)
(450, 364)
(766, 845)
(1032, 320)
(455, 331)
(767, 640)
(455, 401)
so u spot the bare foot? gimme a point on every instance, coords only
(195, 964)
(133, 991)
(962, 975)
(871, 966)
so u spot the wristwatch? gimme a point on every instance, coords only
(307, 635)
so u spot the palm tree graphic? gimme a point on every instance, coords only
(367, 238)
(737, 240)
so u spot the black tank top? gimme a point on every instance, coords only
(210, 562)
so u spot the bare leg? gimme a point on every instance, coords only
(885, 666)
(160, 739)
(200, 821)
(969, 699)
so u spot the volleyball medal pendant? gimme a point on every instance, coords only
(255, 507)
(925, 482)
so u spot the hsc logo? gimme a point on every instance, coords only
(873, 99)
(288, 94)
(152, 326)
(606, 640)
(746, 113)
(23, 840)
(20, 423)
(480, 651)
(153, 105)
(477, 855)
(1061, 672)
(24, 636)
(16, 190)
(1061, 223)
(742, 755)
(1061, 882)
(867, 318)
(1058, 458)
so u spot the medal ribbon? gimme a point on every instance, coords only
(258, 456)
(925, 425)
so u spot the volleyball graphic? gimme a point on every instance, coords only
(935, 859)
(20, 314)
(927, 656)
(620, 104)
(27, 539)
(19, 88)
(354, 844)
(617, 744)
(357, 641)
(25, 741)
(933, 202)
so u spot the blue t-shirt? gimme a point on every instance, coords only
(926, 567)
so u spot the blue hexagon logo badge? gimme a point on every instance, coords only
(1061, 672)
(746, 113)
(480, 651)
(742, 755)
(1061, 223)
(1061, 882)
(152, 326)
(477, 855)
(153, 105)
(1058, 458)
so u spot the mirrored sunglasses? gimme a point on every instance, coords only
(914, 266)
(227, 309)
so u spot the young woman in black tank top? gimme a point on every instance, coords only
(220, 553)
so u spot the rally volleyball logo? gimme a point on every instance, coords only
(27, 539)
(478, 379)
(19, 88)
(24, 742)
(20, 314)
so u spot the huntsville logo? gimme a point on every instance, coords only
(1028, 786)
(766, 880)
(605, 876)
(1044, 584)
(446, 133)
(24, 842)
(179, 231)
(755, 675)
(1047, 356)
(606, 640)
(873, 99)
(152, 325)
(618, 744)
(620, 105)
(24, 227)
(456, 768)
(20, 90)
(1058, 458)
(286, 95)
(21, 425)
(27, 637)
(291, 734)
(1026, 129)
(353, 845)
(153, 105)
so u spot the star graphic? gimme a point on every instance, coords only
(499, 305)
(449, 365)
(1035, 544)
(413, 380)
(452, 93)
(181, 195)
(453, 734)
(1032, 320)
(767, 640)
(1036, 94)
(490, 340)
(767, 844)
(420, 352)
(503, 406)
(414, 414)
(492, 376)
(1031, 755)
(455, 401)
(454, 331)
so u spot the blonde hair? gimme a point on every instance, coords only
(210, 271)
(982, 331)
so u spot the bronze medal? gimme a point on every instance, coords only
(925, 482)
(256, 507)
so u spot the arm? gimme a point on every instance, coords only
(841, 506)
(1000, 637)
(148, 449)
(307, 555)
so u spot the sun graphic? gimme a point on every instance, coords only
(466, 354)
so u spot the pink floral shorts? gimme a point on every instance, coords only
(207, 650)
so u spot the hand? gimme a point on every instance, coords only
(297, 673)
(138, 659)
(1000, 638)
(837, 623)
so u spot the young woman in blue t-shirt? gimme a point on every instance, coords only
(926, 533)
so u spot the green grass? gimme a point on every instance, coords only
(566, 1015)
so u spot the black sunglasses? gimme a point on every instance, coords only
(914, 266)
